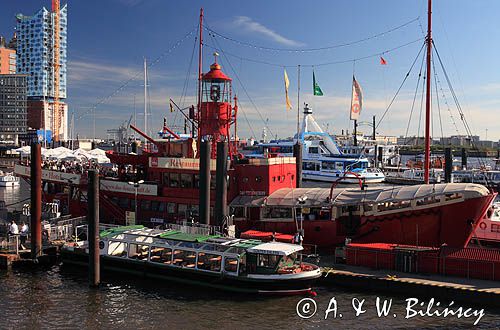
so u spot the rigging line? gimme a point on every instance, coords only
(459, 107)
(304, 50)
(455, 98)
(448, 106)
(186, 81)
(246, 119)
(241, 84)
(139, 73)
(317, 64)
(414, 99)
(437, 97)
(421, 108)
(399, 89)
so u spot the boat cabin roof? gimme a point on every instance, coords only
(276, 248)
(318, 197)
(179, 239)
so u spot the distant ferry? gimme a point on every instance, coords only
(243, 265)
(322, 158)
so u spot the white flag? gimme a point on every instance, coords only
(356, 100)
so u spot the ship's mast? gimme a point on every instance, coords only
(428, 96)
(145, 97)
(200, 60)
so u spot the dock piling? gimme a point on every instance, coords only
(448, 164)
(464, 159)
(93, 228)
(221, 184)
(204, 194)
(297, 153)
(36, 200)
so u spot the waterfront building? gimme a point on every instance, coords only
(35, 51)
(13, 111)
(7, 58)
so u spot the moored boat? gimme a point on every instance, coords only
(231, 264)
(8, 180)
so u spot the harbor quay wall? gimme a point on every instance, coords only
(400, 284)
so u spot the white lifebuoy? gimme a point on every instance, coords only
(482, 225)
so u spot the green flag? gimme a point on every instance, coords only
(316, 89)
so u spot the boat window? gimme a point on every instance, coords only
(117, 249)
(166, 179)
(328, 166)
(123, 202)
(238, 211)
(161, 254)
(258, 178)
(137, 251)
(287, 261)
(196, 183)
(313, 150)
(309, 166)
(181, 209)
(144, 239)
(161, 207)
(230, 265)
(146, 205)
(267, 260)
(339, 166)
(192, 245)
(170, 208)
(452, 196)
(154, 206)
(186, 180)
(132, 204)
(278, 212)
(243, 264)
(184, 258)
(174, 180)
(212, 181)
(209, 261)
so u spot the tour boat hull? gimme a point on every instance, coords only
(243, 284)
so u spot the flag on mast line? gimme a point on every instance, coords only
(287, 84)
(383, 61)
(356, 100)
(316, 89)
(171, 106)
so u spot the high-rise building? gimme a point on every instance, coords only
(13, 108)
(35, 55)
(7, 58)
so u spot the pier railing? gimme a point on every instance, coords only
(9, 244)
(466, 265)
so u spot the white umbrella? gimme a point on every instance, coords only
(97, 152)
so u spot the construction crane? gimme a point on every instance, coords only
(121, 134)
(56, 112)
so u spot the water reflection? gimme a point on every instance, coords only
(60, 298)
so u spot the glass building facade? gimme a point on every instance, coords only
(35, 47)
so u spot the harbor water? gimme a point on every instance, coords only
(60, 298)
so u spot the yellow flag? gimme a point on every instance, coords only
(287, 84)
(171, 106)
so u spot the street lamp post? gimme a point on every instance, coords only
(136, 187)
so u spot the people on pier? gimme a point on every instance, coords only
(13, 230)
(23, 235)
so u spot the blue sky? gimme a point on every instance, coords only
(108, 39)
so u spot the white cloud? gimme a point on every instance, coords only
(250, 25)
